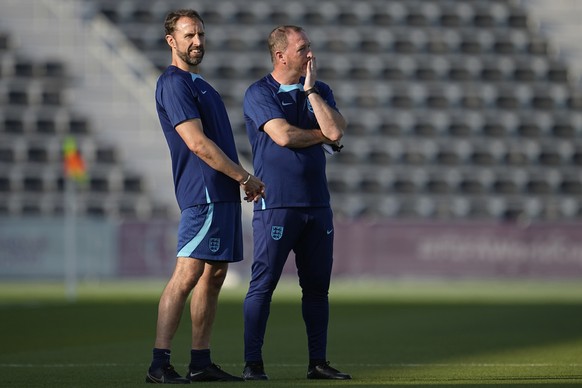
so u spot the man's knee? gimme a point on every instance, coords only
(187, 274)
(214, 275)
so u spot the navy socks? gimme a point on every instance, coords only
(161, 357)
(199, 359)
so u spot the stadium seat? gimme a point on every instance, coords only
(134, 207)
(359, 13)
(346, 179)
(39, 153)
(522, 153)
(537, 46)
(529, 128)
(99, 208)
(369, 184)
(543, 183)
(542, 100)
(106, 155)
(555, 154)
(437, 99)
(337, 184)
(571, 184)
(463, 69)
(397, 69)
(6, 185)
(419, 15)
(46, 125)
(449, 17)
(433, 123)
(367, 122)
(14, 124)
(98, 183)
(32, 181)
(487, 208)
(464, 125)
(565, 126)
(5, 41)
(557, 72)
(529, 69)
(475, 181)
(30, 207)
(453, 153)
(380, 154)
(389, 14)
(534, 125)
(133, 183)
(417, 152)
(7, 154)
(489, 15)
(439, 183)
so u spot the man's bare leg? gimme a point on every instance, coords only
(204, 303)
(185, 277)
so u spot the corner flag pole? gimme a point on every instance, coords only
(75, 174)
(70, 240)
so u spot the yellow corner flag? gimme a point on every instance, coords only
(73, 162)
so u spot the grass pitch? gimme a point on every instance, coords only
(385, 333)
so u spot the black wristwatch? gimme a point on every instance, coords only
(312, 90)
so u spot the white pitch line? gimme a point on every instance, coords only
(402, 365)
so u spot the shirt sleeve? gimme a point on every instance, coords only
(261, 105)
(327, 94)
(179, 99)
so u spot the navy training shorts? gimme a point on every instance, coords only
(211, 232)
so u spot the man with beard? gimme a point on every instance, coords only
(291, 117)
(207, 176)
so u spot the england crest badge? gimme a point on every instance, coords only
(277, 232)
(214, 244)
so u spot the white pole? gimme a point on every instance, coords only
(70, 208)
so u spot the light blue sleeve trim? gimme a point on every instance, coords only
(187, 250)
(263, 204)
(207, 195)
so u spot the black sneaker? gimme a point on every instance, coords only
(325, 372)
(165, 375)
(254, 371)
(211, 373)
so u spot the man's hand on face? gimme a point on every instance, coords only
(310, 74)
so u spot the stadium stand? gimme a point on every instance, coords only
(457, 109)
(35, 117)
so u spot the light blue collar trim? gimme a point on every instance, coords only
(195, 76)
(288, 88)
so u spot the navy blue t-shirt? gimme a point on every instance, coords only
(293, 177)
(182, 96)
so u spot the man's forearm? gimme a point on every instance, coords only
(331, 122)
(302, 138)
(212, 155)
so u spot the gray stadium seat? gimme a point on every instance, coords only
(571, 184)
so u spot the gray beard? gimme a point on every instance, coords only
(192, 62)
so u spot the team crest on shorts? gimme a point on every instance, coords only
(214, 244)
(277, 232)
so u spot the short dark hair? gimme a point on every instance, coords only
(278, 38)
(172, 19)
